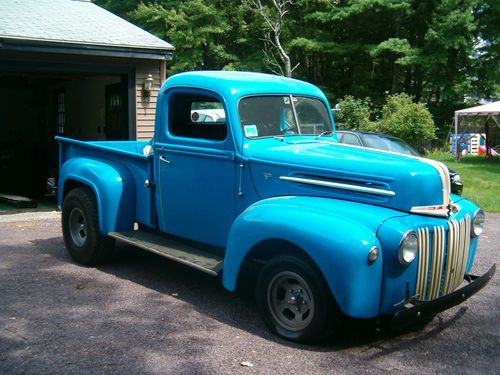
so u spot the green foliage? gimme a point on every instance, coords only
(196, 28)
(486, 56)
(400, 117)
(354, 113)
(121, 7)
(480, 175)
(403, 118)
(440, 52)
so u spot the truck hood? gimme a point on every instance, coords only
(294, 166)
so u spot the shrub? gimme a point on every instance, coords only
(354, 113)
(405, 119)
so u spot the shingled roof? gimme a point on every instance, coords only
(77, 26)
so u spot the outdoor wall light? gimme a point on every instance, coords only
(148, 85)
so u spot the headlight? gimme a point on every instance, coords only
(457, 185)
(477, 223)
(408, 248)
(457, 179)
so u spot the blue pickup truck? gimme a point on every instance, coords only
(328, 230)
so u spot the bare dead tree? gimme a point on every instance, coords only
(272, 38)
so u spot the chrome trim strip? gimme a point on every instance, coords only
(448, 258)
(449, 271)
(440, 257)
(457, 279)
(428, 210)
(464, 249)
(444, 175)
(467, 229)
(442, 170)
(423, 262)
(337, 185)
(458, 248)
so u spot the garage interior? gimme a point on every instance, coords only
(73, 69)
(37, 106)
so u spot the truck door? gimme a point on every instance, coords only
(195, 165)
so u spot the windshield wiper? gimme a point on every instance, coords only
(323, 133)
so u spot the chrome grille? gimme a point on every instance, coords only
(442, 258)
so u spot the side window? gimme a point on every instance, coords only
(197, 116)
(351, 139)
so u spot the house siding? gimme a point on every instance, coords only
(146, 106)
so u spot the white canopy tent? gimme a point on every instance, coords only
(487, 112)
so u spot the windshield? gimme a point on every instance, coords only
(268, 116)
(388, 144)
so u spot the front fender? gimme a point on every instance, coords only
(336, 234)
(113, 186)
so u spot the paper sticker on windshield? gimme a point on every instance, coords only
(286, 100)
(251, 131)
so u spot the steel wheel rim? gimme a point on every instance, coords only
(77, 227)
(290, 301)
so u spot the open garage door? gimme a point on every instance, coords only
(37, 106)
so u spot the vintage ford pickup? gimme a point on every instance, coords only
(329, 230)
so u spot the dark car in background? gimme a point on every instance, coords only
(393, 144)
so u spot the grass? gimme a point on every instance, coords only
(480, 175)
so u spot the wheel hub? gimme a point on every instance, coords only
(296, 299)
(290, 300)
(77, 227)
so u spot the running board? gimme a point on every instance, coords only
(171, 249)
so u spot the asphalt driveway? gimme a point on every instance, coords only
(144, 314)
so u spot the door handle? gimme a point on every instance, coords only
(164, 159)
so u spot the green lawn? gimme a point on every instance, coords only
(481, 177)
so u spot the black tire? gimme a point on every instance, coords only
(80, 226)
(295, 301)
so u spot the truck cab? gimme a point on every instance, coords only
(331, 230)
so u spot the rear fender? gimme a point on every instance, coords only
(113, 186)
(327, 231)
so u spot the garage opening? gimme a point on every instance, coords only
(35, 107)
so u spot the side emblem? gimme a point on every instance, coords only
(267, 176)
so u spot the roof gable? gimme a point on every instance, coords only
(77, 22)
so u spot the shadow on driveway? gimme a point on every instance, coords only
(207, 296)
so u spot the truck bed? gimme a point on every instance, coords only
(126, 148)
(128, 154)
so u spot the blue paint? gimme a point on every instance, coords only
(329, 233)
(231, 191)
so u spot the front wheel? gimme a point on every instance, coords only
(295, 301)
(80, 225)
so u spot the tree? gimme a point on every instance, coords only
(486, 56)
(440, 52)
(196, 28)
(274, 18)
(120, 7)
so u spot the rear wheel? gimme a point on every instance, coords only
(295, 302)
(80, 225)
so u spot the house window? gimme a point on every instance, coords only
(60, 112)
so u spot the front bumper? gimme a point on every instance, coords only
(418, 312)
